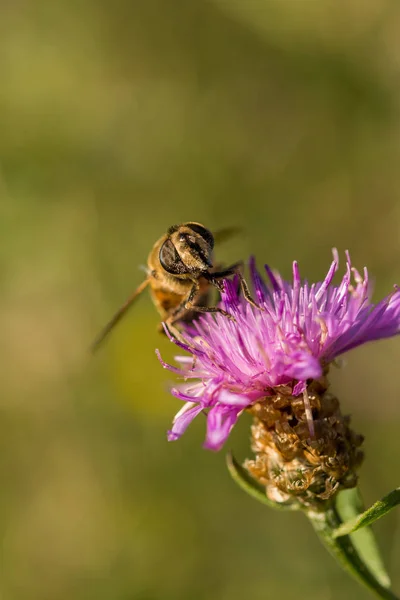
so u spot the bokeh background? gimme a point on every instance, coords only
(117, 120)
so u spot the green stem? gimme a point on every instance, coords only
(343, 549)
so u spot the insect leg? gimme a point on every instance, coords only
(212, 309)
(179, 311)
(233, 270)
(188, 305)
(246, 292)
(204, 309)
(182, 307)
(173, 331)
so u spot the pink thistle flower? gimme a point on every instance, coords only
(298, 330)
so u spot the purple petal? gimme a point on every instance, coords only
(262, 292)
(220, 422)
(274, 282)
(182, 420)
(304, 366)
(383, 321)
(169, 367)
(327, 281)
(231, 399)
(299, 388)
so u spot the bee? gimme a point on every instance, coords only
(180, 274)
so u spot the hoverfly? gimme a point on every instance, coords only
(180, 273)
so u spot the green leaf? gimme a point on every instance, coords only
(343, 549)
(243, 478)
(350, 505)
(375, 512)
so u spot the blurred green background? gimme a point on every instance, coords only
(119, 119)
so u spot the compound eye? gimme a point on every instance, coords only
(203, 232)
(170, 259)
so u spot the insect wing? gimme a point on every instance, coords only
(221, 235)
(118, 315)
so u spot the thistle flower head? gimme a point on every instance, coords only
(278, 348)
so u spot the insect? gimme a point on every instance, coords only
(180, 273)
